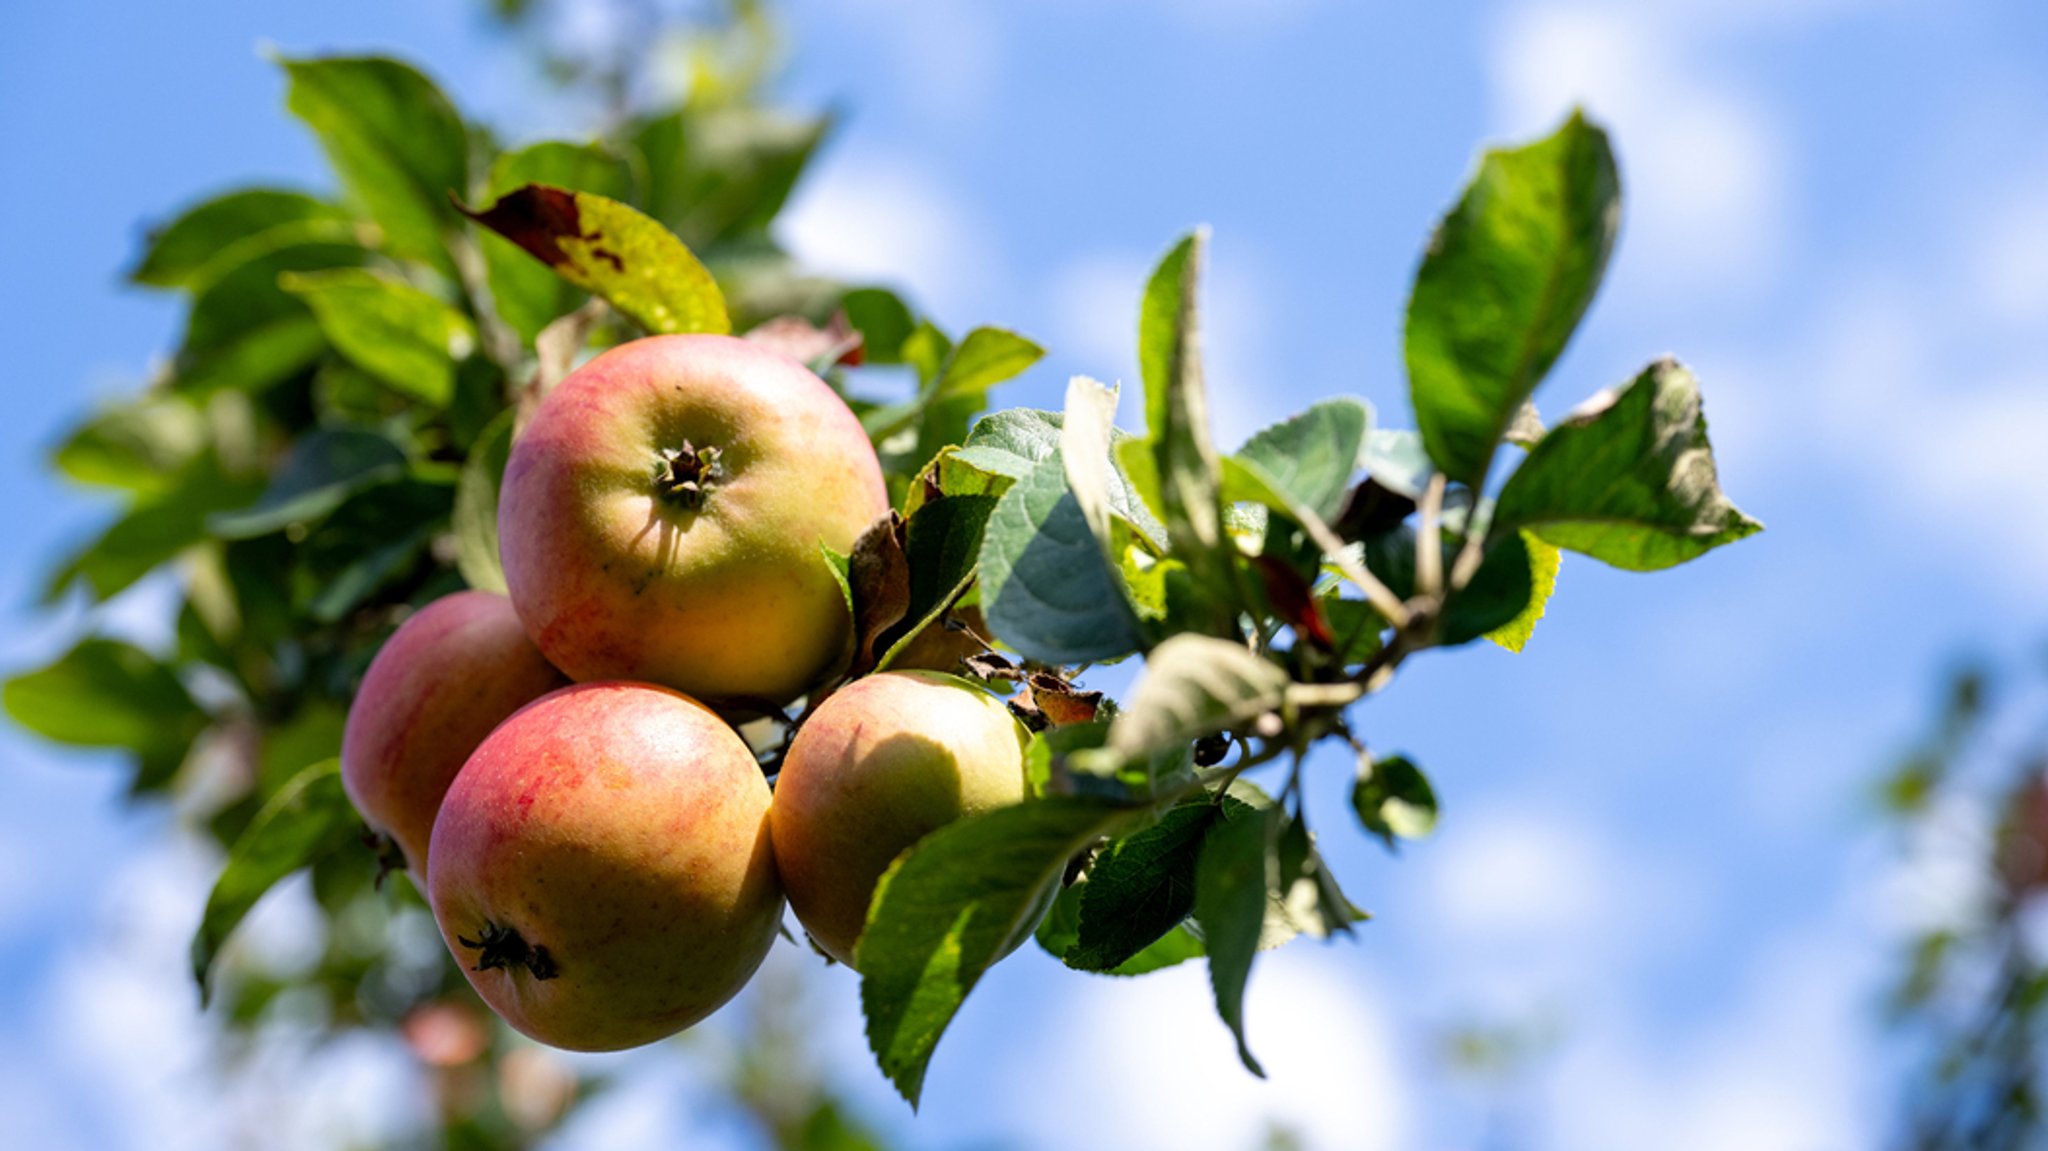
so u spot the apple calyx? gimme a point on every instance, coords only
(683, 475)
(504, 947)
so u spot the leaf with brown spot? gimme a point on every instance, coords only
(614, 251)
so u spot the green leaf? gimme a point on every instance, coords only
(1393, 798)
(395, 141)
(1045, 588)
(943, 546)
(719, 173)
(1356, 626)
(390, 329)
(1501, 591)
(1544, 561)
(324, 469)
(476, 507)
(105, 693)
(1398, 460)
(883, 321)
(1142, 886)
(155, 529)
(1311, 456)
(207, 238)
(605, 247)
(245, 332)
(529, 296)
(1232, 878)
(841, 567)
(1192, 686)
(1087, 434)
(368, 542)
(1177, 422)
(137, 446)
(306, 820)
(1307, 898)
(1507, 275)
(984, 358)
(1629, 479)
(953, 905)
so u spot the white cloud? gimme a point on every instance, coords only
(1144, 1063)
(1779, 1070)
(1705, 176)
(866, 218)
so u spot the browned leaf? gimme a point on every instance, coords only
(1294, 602)
(810, 345)
(879, 571)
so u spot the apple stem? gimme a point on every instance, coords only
(505, 947)
(682, 475)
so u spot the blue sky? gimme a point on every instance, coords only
(1656, 843)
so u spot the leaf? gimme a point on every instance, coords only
(398, 145)
(1507, 275)
(1141, 886)
(245, 332)
(390, 329)
(1177, 421)
(878, 573)
(476, 507)
(323, 469)
(717, 173)
(1045, 588)
(1393, 798)
(105, 693)
(1306, 900)
(1500, 592)
(308, 818)
(608, 248)
(942, 546)
(1087, 430)
(155, 529)
(949, 908)
(883, 321)
(1543, 564)
(371, 540)
(1397, 460)
(1629, 480)
(528, 296)
(1232, 877)
(1311, 456)
(840, 566)
(1008, 444)
(138, 446)
(207, 238)
(984, 358)
(1192, 686)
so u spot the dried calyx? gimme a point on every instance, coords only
(504, 947)
(683, 475)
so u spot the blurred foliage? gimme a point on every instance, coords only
(295, 476)
(1973, 992)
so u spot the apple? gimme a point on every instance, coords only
(882, 763)
(661, 516)
(601, 868)
(450, 673)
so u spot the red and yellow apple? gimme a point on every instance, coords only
(882, 763)
(445, 678)
(661, 515)
(601, 868)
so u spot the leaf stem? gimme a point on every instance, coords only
(1429, 555)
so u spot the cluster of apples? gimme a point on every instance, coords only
(602, 851)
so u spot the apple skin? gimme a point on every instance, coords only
(451, 672)
(728, 600)
(882, 763)
(618, 833)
